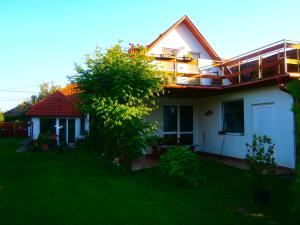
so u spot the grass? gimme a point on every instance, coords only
(73, 188)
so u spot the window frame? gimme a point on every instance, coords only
(178, 132)
(223, 117)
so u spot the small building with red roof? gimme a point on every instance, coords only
(59, 116)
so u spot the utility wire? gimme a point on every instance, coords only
(21, 87)
(14, 91)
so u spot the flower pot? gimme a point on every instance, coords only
(45, 147)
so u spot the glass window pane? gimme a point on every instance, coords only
(170, 118)
(82, 126)
(186, 118)
(47, 126)
(186, 139)
(233, 118)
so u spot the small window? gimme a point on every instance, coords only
(233, 116)
(82, 126)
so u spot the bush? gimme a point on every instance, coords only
(261, 162)
(296, 192)
(181, 165)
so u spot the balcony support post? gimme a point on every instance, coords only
(285, 61)
(298, 60)
(278, 65)
(239, 68)
(259, 67)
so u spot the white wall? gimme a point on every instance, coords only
(35, 127)
(206, 128)
(181, 37)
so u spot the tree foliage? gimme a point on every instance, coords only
(118, 90)
(1, 116)
(294, 89)
(45, 90)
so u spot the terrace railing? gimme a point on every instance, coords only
(279, 58)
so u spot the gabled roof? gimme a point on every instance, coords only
(189, 24)
(61, 103)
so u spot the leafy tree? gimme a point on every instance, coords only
(294, 89)
(1, 116)
(45, 90)
(118, 90)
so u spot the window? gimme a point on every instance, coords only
(233, 116)
(82, 126)
(178, 124)
(47, 126)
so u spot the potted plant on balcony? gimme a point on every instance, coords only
(187, 57)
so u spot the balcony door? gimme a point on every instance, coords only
(178, 124)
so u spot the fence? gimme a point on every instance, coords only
(13, 129)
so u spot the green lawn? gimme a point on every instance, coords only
(73, 188)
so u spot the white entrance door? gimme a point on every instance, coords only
(264, 119)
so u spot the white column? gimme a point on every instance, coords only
(35, 127)
(87, 123)
(77, 128)
(57, 130)
(67, 130)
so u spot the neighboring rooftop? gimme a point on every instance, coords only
(61, 103)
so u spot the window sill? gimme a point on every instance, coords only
(234, 134)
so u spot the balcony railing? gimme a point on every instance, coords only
(276, 59)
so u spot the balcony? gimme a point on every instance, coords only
(271, 62)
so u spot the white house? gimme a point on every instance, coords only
(214, 104)
(218, 105)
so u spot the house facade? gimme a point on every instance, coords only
(216, 104)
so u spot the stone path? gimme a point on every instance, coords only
(23, 144)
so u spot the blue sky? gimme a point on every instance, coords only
(41, 40)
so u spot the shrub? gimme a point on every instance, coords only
(261, 162)
(181, 165)
(296, 192)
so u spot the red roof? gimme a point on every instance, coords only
(61, 103)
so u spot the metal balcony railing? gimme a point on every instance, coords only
(276, 59)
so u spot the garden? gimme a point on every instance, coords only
(74, 187)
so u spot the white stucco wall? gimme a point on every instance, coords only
(207, 138)
(181, 37)
(35, 127)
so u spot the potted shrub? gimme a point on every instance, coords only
(261, 162)
(43, 142)
(187, 57)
